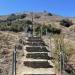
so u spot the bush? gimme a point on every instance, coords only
(14, 26)
(66, 22)
(54, 30)
(37, 17)
(20, 41)
(8, 23)
(44, 28)
(3, 27)
(50, 14)
(20, 47)
(12, 17)
(1, 71)
(4, 52)
(49, 29)
(23, 16)
(38, 29)
(29, 22)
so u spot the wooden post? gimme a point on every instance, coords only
(50, 46)
(32, 25)
(14, 62)
(46, 32)
(62, 61)
(41, 32)
(60, 65)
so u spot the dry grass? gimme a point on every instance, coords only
(7, 42)
(67, 45)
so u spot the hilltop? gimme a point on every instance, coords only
(42, 18)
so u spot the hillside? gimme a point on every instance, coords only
(13, 26)
(43, 18)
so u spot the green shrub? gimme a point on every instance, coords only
(12, 17)
(16, 26)
(50, 14)
(54, 30)
(23, 16)
(44, 28)
(49, 28)
(28, 22)
(66, 22)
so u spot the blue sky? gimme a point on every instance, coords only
(60, 7)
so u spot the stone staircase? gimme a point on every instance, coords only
(36, 60)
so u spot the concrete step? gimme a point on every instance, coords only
(36, 49)
(38, 56)
(35, 44)
(39, 74)
(31, 59)
(34, 38)
(37, 64)
(24, 70)
(40, 41)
